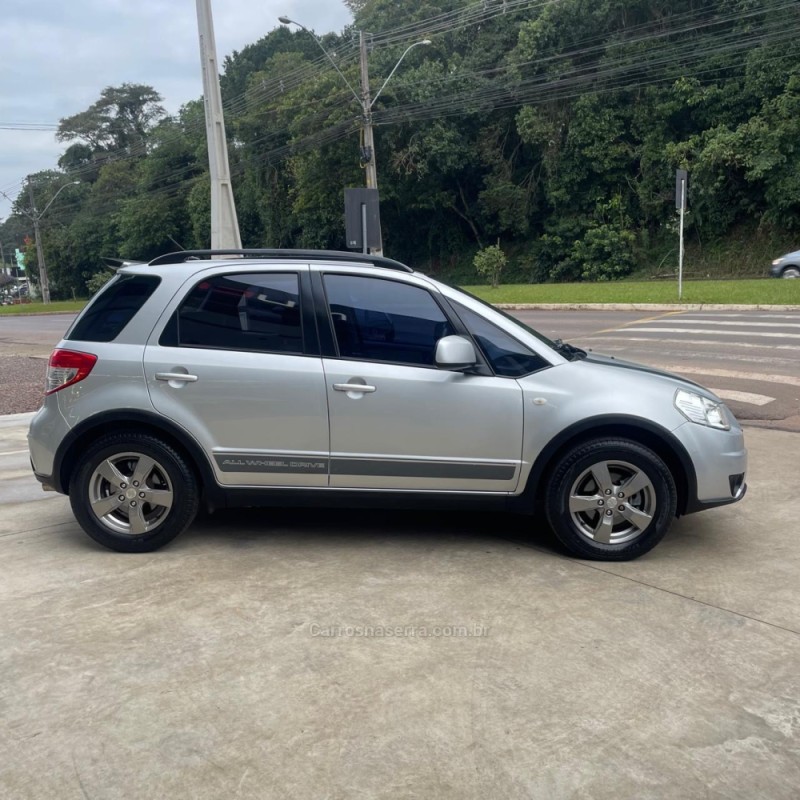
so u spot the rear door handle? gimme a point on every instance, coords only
(175, 376)
(355, 387)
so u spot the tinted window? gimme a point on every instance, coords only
(240, 312)
(380, 320)
(506, 355)
(116, 305)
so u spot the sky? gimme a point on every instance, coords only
(58, 56)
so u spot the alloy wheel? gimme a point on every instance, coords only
(612, 502)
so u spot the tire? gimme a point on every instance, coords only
(791, 272)
(159, 492)
(590, 480)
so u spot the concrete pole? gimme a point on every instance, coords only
(371, 166)
(224, 222)
(44, 283)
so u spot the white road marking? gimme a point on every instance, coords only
(743, 397)
(772, 334)
(787, 380)
(688, 341)
(724, 322)
(749, 316)
(13, 452)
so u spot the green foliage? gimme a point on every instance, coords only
(98, 281)
(768, 292)
(489, 263)
(556, 127)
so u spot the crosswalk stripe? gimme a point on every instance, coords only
(595, 338)
(743, 397)
(774, 335)
(749, 316)
(725, 322)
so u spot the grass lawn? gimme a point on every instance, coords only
(756, 292)
(61, 306)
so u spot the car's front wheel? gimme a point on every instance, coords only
(791, 272)
(610, 499)
(133, 493)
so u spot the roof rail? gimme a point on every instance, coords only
(295, 255)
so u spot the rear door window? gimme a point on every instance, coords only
(255, 311)
(113, 308)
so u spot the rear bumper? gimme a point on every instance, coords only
(47, 482)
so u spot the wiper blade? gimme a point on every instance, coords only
(569, 350)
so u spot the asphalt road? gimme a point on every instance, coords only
(750, 358)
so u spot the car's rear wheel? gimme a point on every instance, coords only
(610, 499)
(791, 272)
(133, 493)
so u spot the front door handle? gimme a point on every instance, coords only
(355, 387)
(176, 376)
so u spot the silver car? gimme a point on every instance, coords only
(786, 266)
(267, 377)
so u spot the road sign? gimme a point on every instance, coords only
(681, 188)
(362, 218)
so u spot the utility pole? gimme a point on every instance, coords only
(368, 145)
(44, 283)
(366, 108)
(224, 222)
(368, 155)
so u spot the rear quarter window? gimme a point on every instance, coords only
(116, 305)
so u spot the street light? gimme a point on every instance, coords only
(44, 281)
(286, 21)
(368, 149)
(36, 216)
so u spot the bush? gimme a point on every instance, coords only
(605, 253)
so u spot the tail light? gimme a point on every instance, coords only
(67, 367)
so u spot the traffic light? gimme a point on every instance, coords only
(20, 256)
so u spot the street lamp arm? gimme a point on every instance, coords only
(287, 21)
(409, 48)
(60, 189)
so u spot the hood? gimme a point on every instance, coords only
(793, 256)
(616, 363)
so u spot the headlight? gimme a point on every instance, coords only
(701, 410)
(776, 262)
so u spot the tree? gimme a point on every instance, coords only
(118, 122)
(489, 263)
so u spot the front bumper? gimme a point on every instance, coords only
(720, 465)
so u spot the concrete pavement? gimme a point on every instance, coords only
(252, 658)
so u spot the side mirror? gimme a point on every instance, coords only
(455, 352)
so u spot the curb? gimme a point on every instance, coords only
(642, 307)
